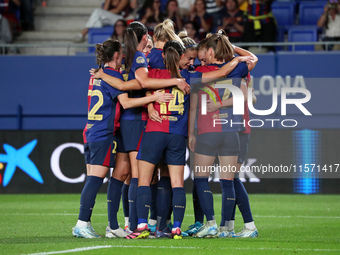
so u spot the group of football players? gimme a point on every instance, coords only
(142, 107)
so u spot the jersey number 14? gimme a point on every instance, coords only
(176, 104)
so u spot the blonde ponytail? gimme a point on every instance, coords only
(165, 32)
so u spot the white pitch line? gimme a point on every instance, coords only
(285, 216)
(72, 250)
(189, 215)
(178, 247)
(297, 216)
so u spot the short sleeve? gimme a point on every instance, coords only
(139, 61)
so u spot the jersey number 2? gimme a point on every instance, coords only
(92, 113)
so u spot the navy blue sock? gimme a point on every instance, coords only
(88, 197)
(242, 201)
(132, 203)
(114, 192)
(228, 200)
(163, 201)
(178, 205)
(205, 197)
(234, 210)
(153, 207)
(143, 203)
(125, 199)
(198, 212)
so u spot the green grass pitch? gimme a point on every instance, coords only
(287, 224)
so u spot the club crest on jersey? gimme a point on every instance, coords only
(140, 60)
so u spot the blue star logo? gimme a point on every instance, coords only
(19, 158)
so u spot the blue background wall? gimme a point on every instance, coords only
(52, 95)
(52, 90)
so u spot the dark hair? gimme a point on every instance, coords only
(148, 4)
(332, 4)
(105, 51)
(236, 4)
(194, 25)
(173, 51)
(205, 4)
(167, 5)
(133, 35)
(114, 34)
(223, 49)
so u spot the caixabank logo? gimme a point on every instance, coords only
(14, 159)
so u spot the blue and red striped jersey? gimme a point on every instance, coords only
(137, 113)
(175, 113)
(104, 108)
(205, 123)
(260, 7)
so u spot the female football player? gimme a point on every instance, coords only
(242, 200)
(100, 140)
(133, 120)
(164, 139)
(161, 190)
(190, 54)
(217, 140)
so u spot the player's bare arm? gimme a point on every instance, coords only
(158, 96)
(152, 83)
(115, 82)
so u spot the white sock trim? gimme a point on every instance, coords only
(152, 222)
(231, 225)
(81, 223)
(126, 221)
(250, 225)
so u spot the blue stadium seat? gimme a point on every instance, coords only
(280, 37)
(99, 35)
(310, 12)
(284, 13)
(302, 34)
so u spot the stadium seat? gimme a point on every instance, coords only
(302, 34)
(310, 12)
(280, 37)
(99, 35)
(284, 13)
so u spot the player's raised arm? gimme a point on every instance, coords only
(114, 82)
(252, 62)
(152, 83)
(127, 102)
(225, 70)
